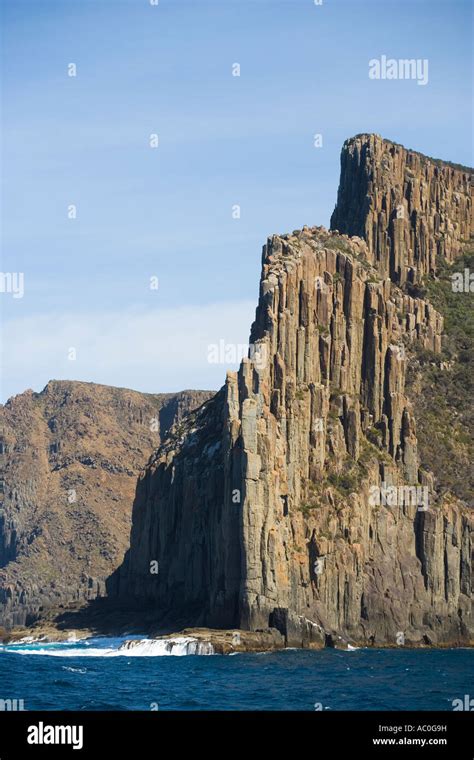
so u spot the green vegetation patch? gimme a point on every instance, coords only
(441, 385)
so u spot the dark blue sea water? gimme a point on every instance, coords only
(90, 676)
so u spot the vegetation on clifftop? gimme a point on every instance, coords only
(441, 386)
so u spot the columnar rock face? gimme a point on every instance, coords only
(69, 460)
(408, 207)
(262, 510)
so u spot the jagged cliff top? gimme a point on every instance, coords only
(283, 250)
(365, 136)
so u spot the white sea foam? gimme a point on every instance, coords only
(177, 646)
(74, 670)
(76, 652)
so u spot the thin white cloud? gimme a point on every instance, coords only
(153, 350)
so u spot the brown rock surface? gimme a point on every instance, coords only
(215, 641)
(408, 207)
(69, 460)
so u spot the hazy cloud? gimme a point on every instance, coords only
(152, 350)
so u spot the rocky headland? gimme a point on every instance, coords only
(298, 506)
(259, 513)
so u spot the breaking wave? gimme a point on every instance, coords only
(177, 646)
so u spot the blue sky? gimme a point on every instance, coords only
(223, 140)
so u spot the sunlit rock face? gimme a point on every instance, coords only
(408, 207)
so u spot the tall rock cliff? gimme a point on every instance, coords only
(408, 207)
(294, 499)
(69, 460)
(417, 216)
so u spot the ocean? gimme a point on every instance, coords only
(95, 674)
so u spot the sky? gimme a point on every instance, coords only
(92, 214)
